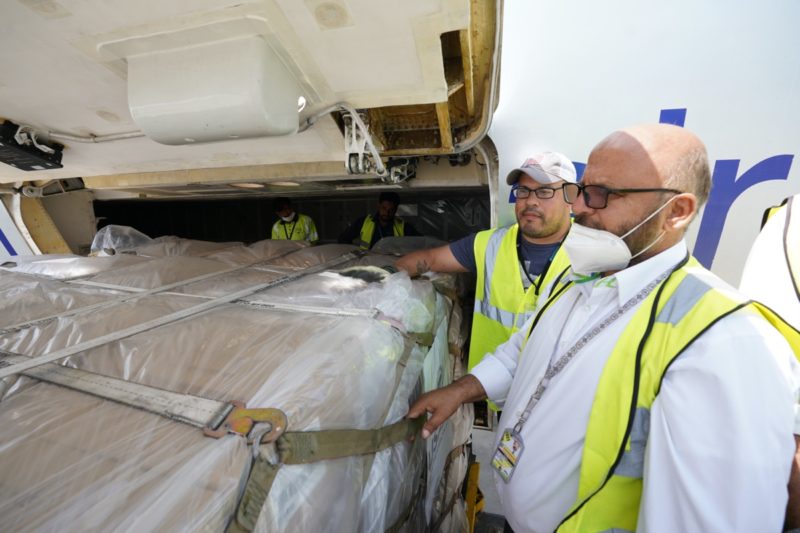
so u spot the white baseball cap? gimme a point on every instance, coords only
(546, 168)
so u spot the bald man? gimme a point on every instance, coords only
(654, 397)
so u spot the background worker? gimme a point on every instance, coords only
(514, 263)
(369, 229)
(654, 397)
(772, 276)
(292, 226)
(772, 271)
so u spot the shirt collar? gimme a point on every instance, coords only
(631, 280)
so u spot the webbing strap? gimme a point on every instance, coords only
(311, 446)
(262, 475)
(445, 512)
(423, 339)
(186, 408)
(422, 483)
(314, 309)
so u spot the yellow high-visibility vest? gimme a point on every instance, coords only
(678, 311)
(368, 229)
(502, 304)
(302, 228)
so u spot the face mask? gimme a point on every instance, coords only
(289, 218)
(593, 250)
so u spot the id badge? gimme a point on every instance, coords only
(507, 454)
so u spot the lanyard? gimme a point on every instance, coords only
(553, 369)
(286, 232)
(536, 281)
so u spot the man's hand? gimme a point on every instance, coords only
(442, 403)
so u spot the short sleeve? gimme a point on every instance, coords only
(464, 252)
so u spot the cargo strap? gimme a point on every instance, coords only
(419, 492)
(166, 319)
(445, 512)
(309, 447)
(312, 446)
(313, 309)
(216, 418)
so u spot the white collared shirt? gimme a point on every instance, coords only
(720, 442)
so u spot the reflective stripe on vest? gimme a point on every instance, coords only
(669, 320)
(368, 229)
(502, 305)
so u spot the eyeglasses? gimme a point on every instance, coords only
(596, 196)
(543, 193)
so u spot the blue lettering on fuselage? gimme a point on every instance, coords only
(6, 244)
(725, 189)
(676, 117)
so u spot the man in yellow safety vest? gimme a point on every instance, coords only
(292, 225)
(644, 393)
(514, 264)
(369, 229)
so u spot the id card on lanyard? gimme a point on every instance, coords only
(507, 454)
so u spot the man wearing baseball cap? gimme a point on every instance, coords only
(514, 264)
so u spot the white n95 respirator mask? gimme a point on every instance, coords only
(594, 250)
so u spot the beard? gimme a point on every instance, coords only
(545, 228)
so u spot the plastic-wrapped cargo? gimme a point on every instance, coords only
(271, 325)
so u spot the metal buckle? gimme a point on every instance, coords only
(242, 420)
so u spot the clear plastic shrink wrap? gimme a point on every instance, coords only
(329, 351)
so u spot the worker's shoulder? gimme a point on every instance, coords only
(727, 308)
(482, 237)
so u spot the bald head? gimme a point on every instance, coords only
(676, 156)
(669, 167)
